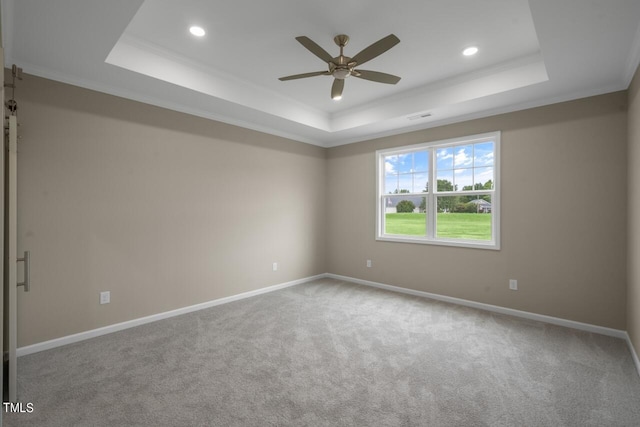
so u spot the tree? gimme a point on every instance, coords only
(467, 199)
(466, 208)
(402, 191)
(423, 203)
(447, 203)
(446, 185)
(405, 206)
(477, 186)
(487, 186)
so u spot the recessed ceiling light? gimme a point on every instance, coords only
(470, 51)
(337, 98)
(197, 31)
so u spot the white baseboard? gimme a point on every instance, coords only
(634, 355)
(488, 307)
(58, 342)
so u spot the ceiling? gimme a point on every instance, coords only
(531, 53)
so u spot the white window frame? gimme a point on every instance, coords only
(431, 196)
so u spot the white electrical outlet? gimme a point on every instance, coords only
(105, 297)
(513, 284)
(275, 266)
(369, 263)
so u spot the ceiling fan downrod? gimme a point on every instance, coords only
(343, 68)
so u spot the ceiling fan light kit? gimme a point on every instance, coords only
(470, 51)
(197, 31)
(342, 67)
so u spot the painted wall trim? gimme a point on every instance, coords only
(634, 355)
(493, 308)
(70, 339)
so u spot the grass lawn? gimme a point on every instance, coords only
(470, 226)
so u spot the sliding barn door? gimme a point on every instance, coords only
(2, 219)
(11, 257)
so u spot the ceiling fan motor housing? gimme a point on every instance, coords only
(340, 67)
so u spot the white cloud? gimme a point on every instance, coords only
(485, 175)
(389, 168)
(462, 159)
(485, 159)
(444, 155)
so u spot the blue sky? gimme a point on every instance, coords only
(461, 165)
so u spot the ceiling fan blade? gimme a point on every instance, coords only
(336, 88)
(378, 48)
(376, 76)
(305, 75)
(314, 48)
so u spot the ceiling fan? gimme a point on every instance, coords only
(342, 66)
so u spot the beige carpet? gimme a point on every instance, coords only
(331, 353)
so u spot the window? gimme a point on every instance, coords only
(443, 192)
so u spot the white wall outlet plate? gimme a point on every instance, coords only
(105, 297)
(513, 284)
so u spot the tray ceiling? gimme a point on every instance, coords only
(530, 53)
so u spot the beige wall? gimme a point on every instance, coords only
(163, 209)
(167, 210)
(563, 216)
(633, 255)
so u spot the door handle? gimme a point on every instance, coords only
(27, 271)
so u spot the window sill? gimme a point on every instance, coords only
(441, 242)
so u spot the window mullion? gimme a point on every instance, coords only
(431, 204)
